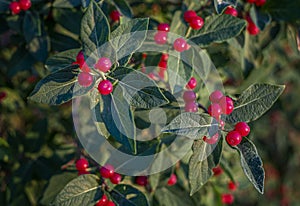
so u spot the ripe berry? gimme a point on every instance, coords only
(116, 178)
(189, 96)
(141, 180)
(15, 7)
(192, 83)
(163, 27)
(260, 2)
(226, 104)
(110, 203)
(85, 79)
(161, 74)
(25, 4)
(164, 57)
(233, 138)
(215, 110)
(188, 15)
(172, 180)
(2, 95)
(231, 186)
(196, 22)
(80, 58)
(251, 1)
(211, 140)
(144, 56)
(103, 64)
(105, 87)
(161, 37)
(231, 11)
(82, 164)
(227, 198)
(242, 128)
(180, 45)
(191, 107)
(103, 201)
(251, 27)
(162, 65)
(115, 15)
(215, 96)
(217, 170)
(107, 171)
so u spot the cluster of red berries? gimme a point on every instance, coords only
(104, 201)
(220, 104)
(108, 172)
(235, 136)
(115, 15)
(17, 6)
(257, 2)
(195, 21)
(189, 96)
(82, 166)
(161, 35)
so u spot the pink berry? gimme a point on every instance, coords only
(172, 180)
(215, 110)
(189, 96)
(141, 180)
(116, 178)
(107, 171)
(188, 15)
(161, 37)
(103, 201)
(260, 2)
(226, 104)
(15, 7)
(161, 73)
(164, 57)
(105, 87)
(110, 203)
(191, 107)
(231, 186)
(115, 15)
(196, 22)
(212, 140)
(163, 27)
(215, 96)
(162, 65)
(82, 164)
(180, 45)
(80, 58)
(243, 128)
(233, 138)
(231, 11)
(227, 198)
(103, 64)
(84, 67)
(25, 4)
(85, 79)
(192, 83)
(217, 170)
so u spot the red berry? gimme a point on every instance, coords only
(25, 4)
(15, 7)
(161, 37)
(110, 203)
(107, 171)
(103, 64)
(162, 65)
(103, 201)
(217, 170)
(188, 15)
(232, 186)
(85, 79)
(84, 67)
(211, 140)
(116, 178)
(242, 128)
(80, 58)
(164, 57)
(189, 96)
(226, 104)
(163, 27)
(115, 15)
(82, 164)
(215, 96)
(251, 1)
(191, 107)
(251, 27)
(192, 83)
(105, 87)
(196, 22)
(215, 110)
(227, 198)
(141, 180)
(233, 138)
(231, 11)
(172, 180)
(144, 56)
(161, 74)
(260, 2)
(2, 95)
(180, 45)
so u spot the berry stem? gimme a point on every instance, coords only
(188, 32)
(203, 108)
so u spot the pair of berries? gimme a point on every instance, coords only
(108, 172)
(115, 15)
(221, 104)
(17, 6)
(162, 65)
(189, 96)
(257, 2)
(195, 21)
(104, 201)
(161, 36)
(228, 198)
(82, 166)
(230, 10)
(251, 27)
(235, 136)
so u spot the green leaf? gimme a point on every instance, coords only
(123, 7)
(174, 196)
(252, 164)
(61, 60)
(126, 195)
(218, 28)
(178, 26)
(95, 31)
(84, 190)
(58, 87)
(259, 18)
(220, 5)
(138, 89)
(192, 125)
(38, 47)
(32, 26)
(129, 37)
(254, 102)
(202, 162)
(66, 3)
(4, 7)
